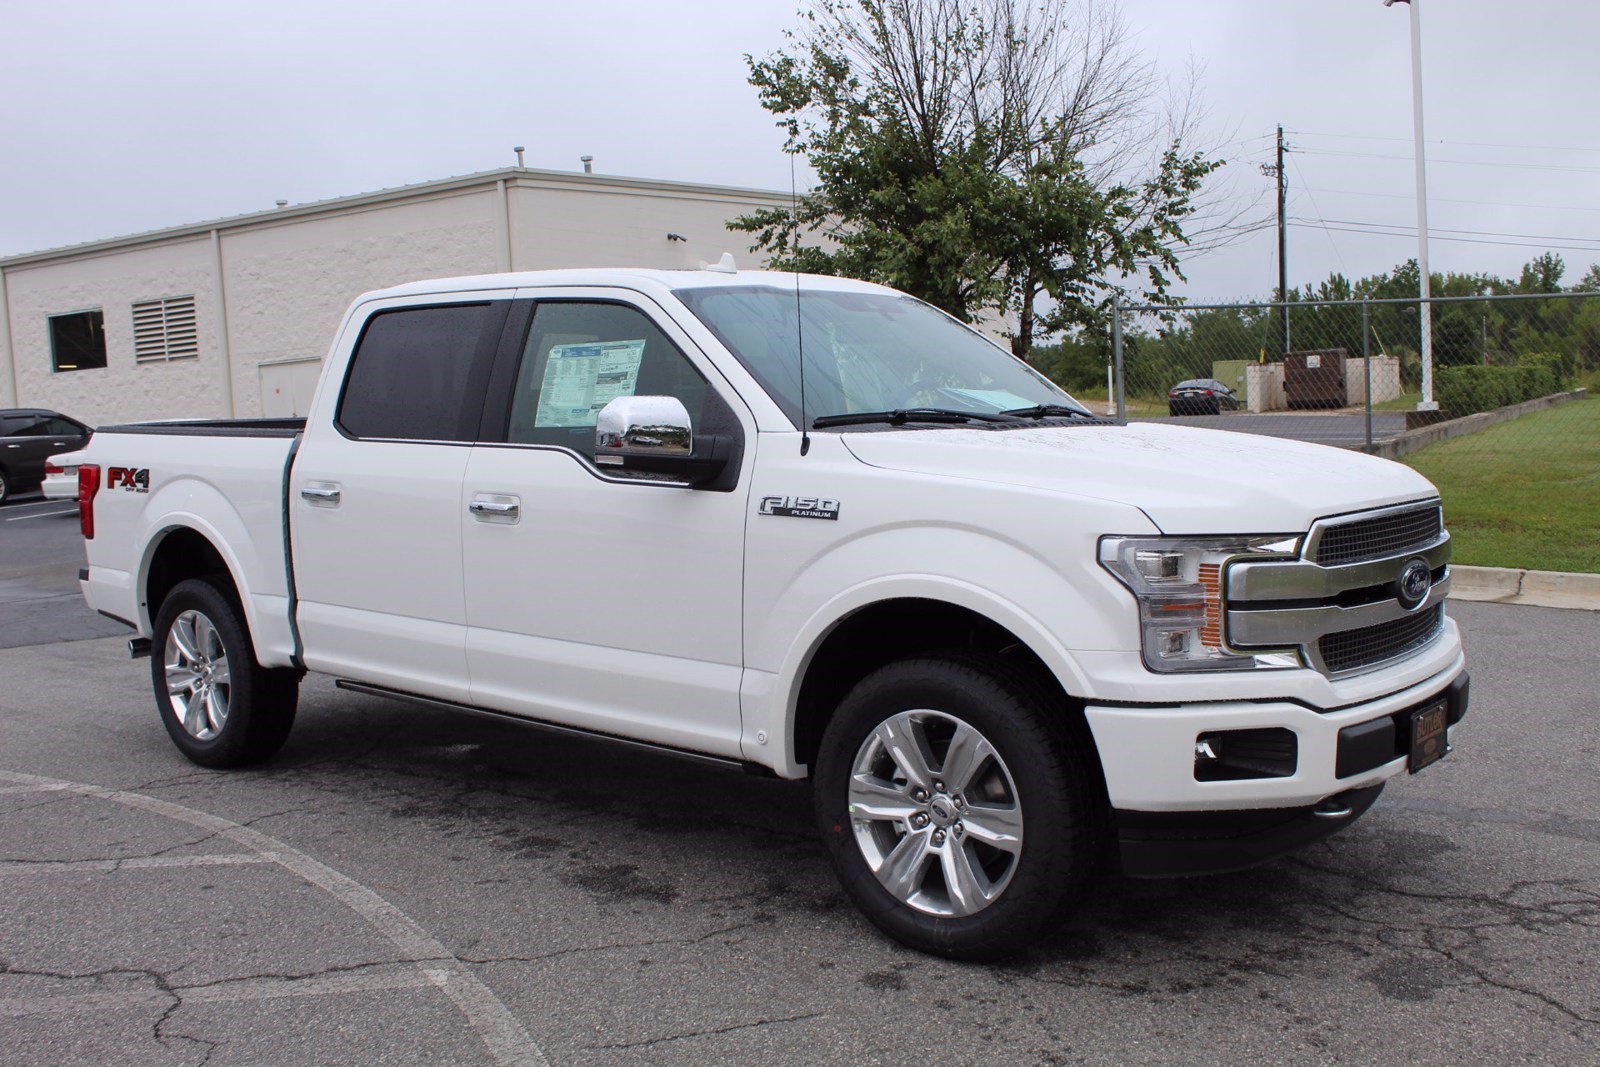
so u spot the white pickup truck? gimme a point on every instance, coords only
(1012, 642)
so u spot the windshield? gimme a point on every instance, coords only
(865, 352)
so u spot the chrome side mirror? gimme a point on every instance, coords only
(643, 427)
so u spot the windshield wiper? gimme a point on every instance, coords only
(1047, 411)
(900, 416)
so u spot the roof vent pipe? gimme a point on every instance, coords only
(519, 150)
(281, 203)
(588, 164)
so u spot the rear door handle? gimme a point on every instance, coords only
(322, 494)
(495, 508)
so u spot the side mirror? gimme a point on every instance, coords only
(653, 435)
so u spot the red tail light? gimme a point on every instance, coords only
(51, 468)
(1210, 393)
(88, 486)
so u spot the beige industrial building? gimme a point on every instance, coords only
(232, 318)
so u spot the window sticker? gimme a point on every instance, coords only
(580, 379)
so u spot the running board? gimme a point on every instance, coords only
(557, 728)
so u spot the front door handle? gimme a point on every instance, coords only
(323, 494)
(496, 507)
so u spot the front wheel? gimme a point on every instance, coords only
(220, 707)
(959, 808)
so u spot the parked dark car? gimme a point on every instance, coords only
(28, 437)
(1201, 396)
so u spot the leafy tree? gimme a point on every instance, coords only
(988, 156)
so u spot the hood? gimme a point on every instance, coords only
(1187, 480)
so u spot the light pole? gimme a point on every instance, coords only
(1425, 309)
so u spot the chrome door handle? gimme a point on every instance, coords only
(493, 507)
(320, 494)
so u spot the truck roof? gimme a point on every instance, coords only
(625, 278)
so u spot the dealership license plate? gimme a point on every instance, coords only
(1430, 735)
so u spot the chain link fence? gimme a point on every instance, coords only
(1512, 438)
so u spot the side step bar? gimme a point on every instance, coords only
(557, 728)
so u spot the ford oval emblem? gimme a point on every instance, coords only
(1416, 578)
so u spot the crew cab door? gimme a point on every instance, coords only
(375, 496)
(594, 599)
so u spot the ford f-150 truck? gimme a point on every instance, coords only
(809, 527)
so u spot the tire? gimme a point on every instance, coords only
(6, 487)
(954, 883)
(220, 707)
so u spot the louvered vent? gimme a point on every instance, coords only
(164, 330)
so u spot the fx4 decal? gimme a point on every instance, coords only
(134, 481)
(800, 507)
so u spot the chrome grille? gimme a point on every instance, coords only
(1378, 536)
(1370, 645)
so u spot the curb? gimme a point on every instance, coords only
(1508, 585)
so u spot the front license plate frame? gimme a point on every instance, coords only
(1429, 730)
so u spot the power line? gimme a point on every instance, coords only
(1461, 240)
(1439, 229)
(1463, 144)
(1449, 200)
(1458, 162)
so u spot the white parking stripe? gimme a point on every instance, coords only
(497, 1028)
(42, 515)
(227, 992)
(229, 859)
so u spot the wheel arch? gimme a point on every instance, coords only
(182, 548)
(888, 621)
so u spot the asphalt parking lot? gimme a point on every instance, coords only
(1340, 429)
(404, 886)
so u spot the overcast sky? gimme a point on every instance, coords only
(121, 117)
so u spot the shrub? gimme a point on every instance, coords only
(1465, 390)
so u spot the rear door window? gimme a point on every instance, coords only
(419, 373)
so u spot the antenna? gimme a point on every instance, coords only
(799, 325)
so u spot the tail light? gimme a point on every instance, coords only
(51, 468)
(1210, 393)
(88, 486)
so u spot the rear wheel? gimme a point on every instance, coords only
(220, 707)
(959, 813)
(5, 487)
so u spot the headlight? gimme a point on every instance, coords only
(1178, 583)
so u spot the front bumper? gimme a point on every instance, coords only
(1148, 753)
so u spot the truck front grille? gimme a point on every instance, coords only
(1340, 606)
(1354, 649)
(1379, 536)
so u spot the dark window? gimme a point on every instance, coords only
(579, 356)
(51, 426)
(78, 341)
(416, 374)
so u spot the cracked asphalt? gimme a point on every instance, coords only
(405, 886)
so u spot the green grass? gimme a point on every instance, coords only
(1403, 402)
(1525, 493)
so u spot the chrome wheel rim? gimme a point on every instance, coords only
(198, 680)
(935, 813)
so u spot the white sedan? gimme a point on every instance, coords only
(61, 477)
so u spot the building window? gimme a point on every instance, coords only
(164, 330)
(78, 341)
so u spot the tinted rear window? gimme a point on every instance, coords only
(417, 373)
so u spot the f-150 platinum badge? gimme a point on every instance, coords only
(800, 507)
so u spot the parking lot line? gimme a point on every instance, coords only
(131, 863)
(42, 514)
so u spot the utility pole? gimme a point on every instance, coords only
(1283, 241)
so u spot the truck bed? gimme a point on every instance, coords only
(222, 478)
